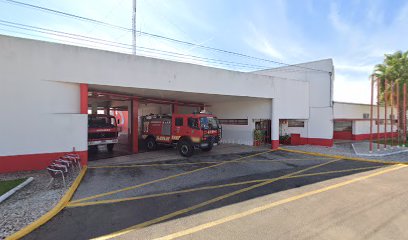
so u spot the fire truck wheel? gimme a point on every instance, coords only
(207, 149)
(110, 147)
(185, 148)
(151, 144)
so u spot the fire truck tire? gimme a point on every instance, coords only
(185, 148)
(207, 149)
(151, 144)
(110, 147)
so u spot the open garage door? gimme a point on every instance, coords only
(241, 116)
(108, 126)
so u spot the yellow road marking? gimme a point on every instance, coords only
(198, 163)
(54, 211)
(161, 179)
(271, 205)
(83, 204)
(342, 157)
(219, 198)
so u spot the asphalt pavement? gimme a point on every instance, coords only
(118, 198)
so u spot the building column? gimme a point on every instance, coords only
(274, 126)
(135, 125)
(83, 89)
(174, 108)
(83, 95)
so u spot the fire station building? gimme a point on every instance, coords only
(47, 90)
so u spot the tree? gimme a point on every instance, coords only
(394, 69)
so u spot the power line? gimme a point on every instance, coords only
(124, 45)
(142, 49)
(159, 36)
(156, 52)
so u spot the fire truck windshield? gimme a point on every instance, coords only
(209, 123)
(101, 122)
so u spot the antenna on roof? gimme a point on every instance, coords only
(134, 28)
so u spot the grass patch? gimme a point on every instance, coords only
(5, 186)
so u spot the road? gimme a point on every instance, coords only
(120, 199)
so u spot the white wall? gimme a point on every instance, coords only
(286, 130)
(245, 109)
(363, 127)
(314, 104)
(355, 111)
(59, 62)
(43, 78)
(38, 118)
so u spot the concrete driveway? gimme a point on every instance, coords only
(117, 199)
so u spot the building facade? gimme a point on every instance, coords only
(47, 90)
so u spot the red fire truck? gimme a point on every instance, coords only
(102, 130)
(185, 131)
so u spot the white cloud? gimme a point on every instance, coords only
(336, 20)
(261, 43)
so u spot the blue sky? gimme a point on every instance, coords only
(355, 34)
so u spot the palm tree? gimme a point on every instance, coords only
(394, 69)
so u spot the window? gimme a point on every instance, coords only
(193, 123)
(296, 123)
(233, 121)
(179, 122)
(343, 126)
(366, 115)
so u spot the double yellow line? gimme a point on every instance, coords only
(272, 205)
(205, 203)
(84, 204)
(199, 163)
(163, 179)
(343, 157)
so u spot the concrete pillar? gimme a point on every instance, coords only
(94, 108)
(174, 108)
(135, 125)
(83, 89)
(83, 94)
(274, 125)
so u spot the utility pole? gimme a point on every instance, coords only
(134, 28)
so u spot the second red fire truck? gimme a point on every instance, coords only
(186, 131)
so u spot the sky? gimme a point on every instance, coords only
(355, 34)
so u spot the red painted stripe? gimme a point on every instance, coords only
(343, 135)
(317, 141)
(30, 162)
(359, 137)
(135, 123)
(83, 89)
(275, 144)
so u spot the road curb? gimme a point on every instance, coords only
(54, 211)
(342, 157)
(15, 189)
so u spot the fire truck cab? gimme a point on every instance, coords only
(185, 131)
(102, 130)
